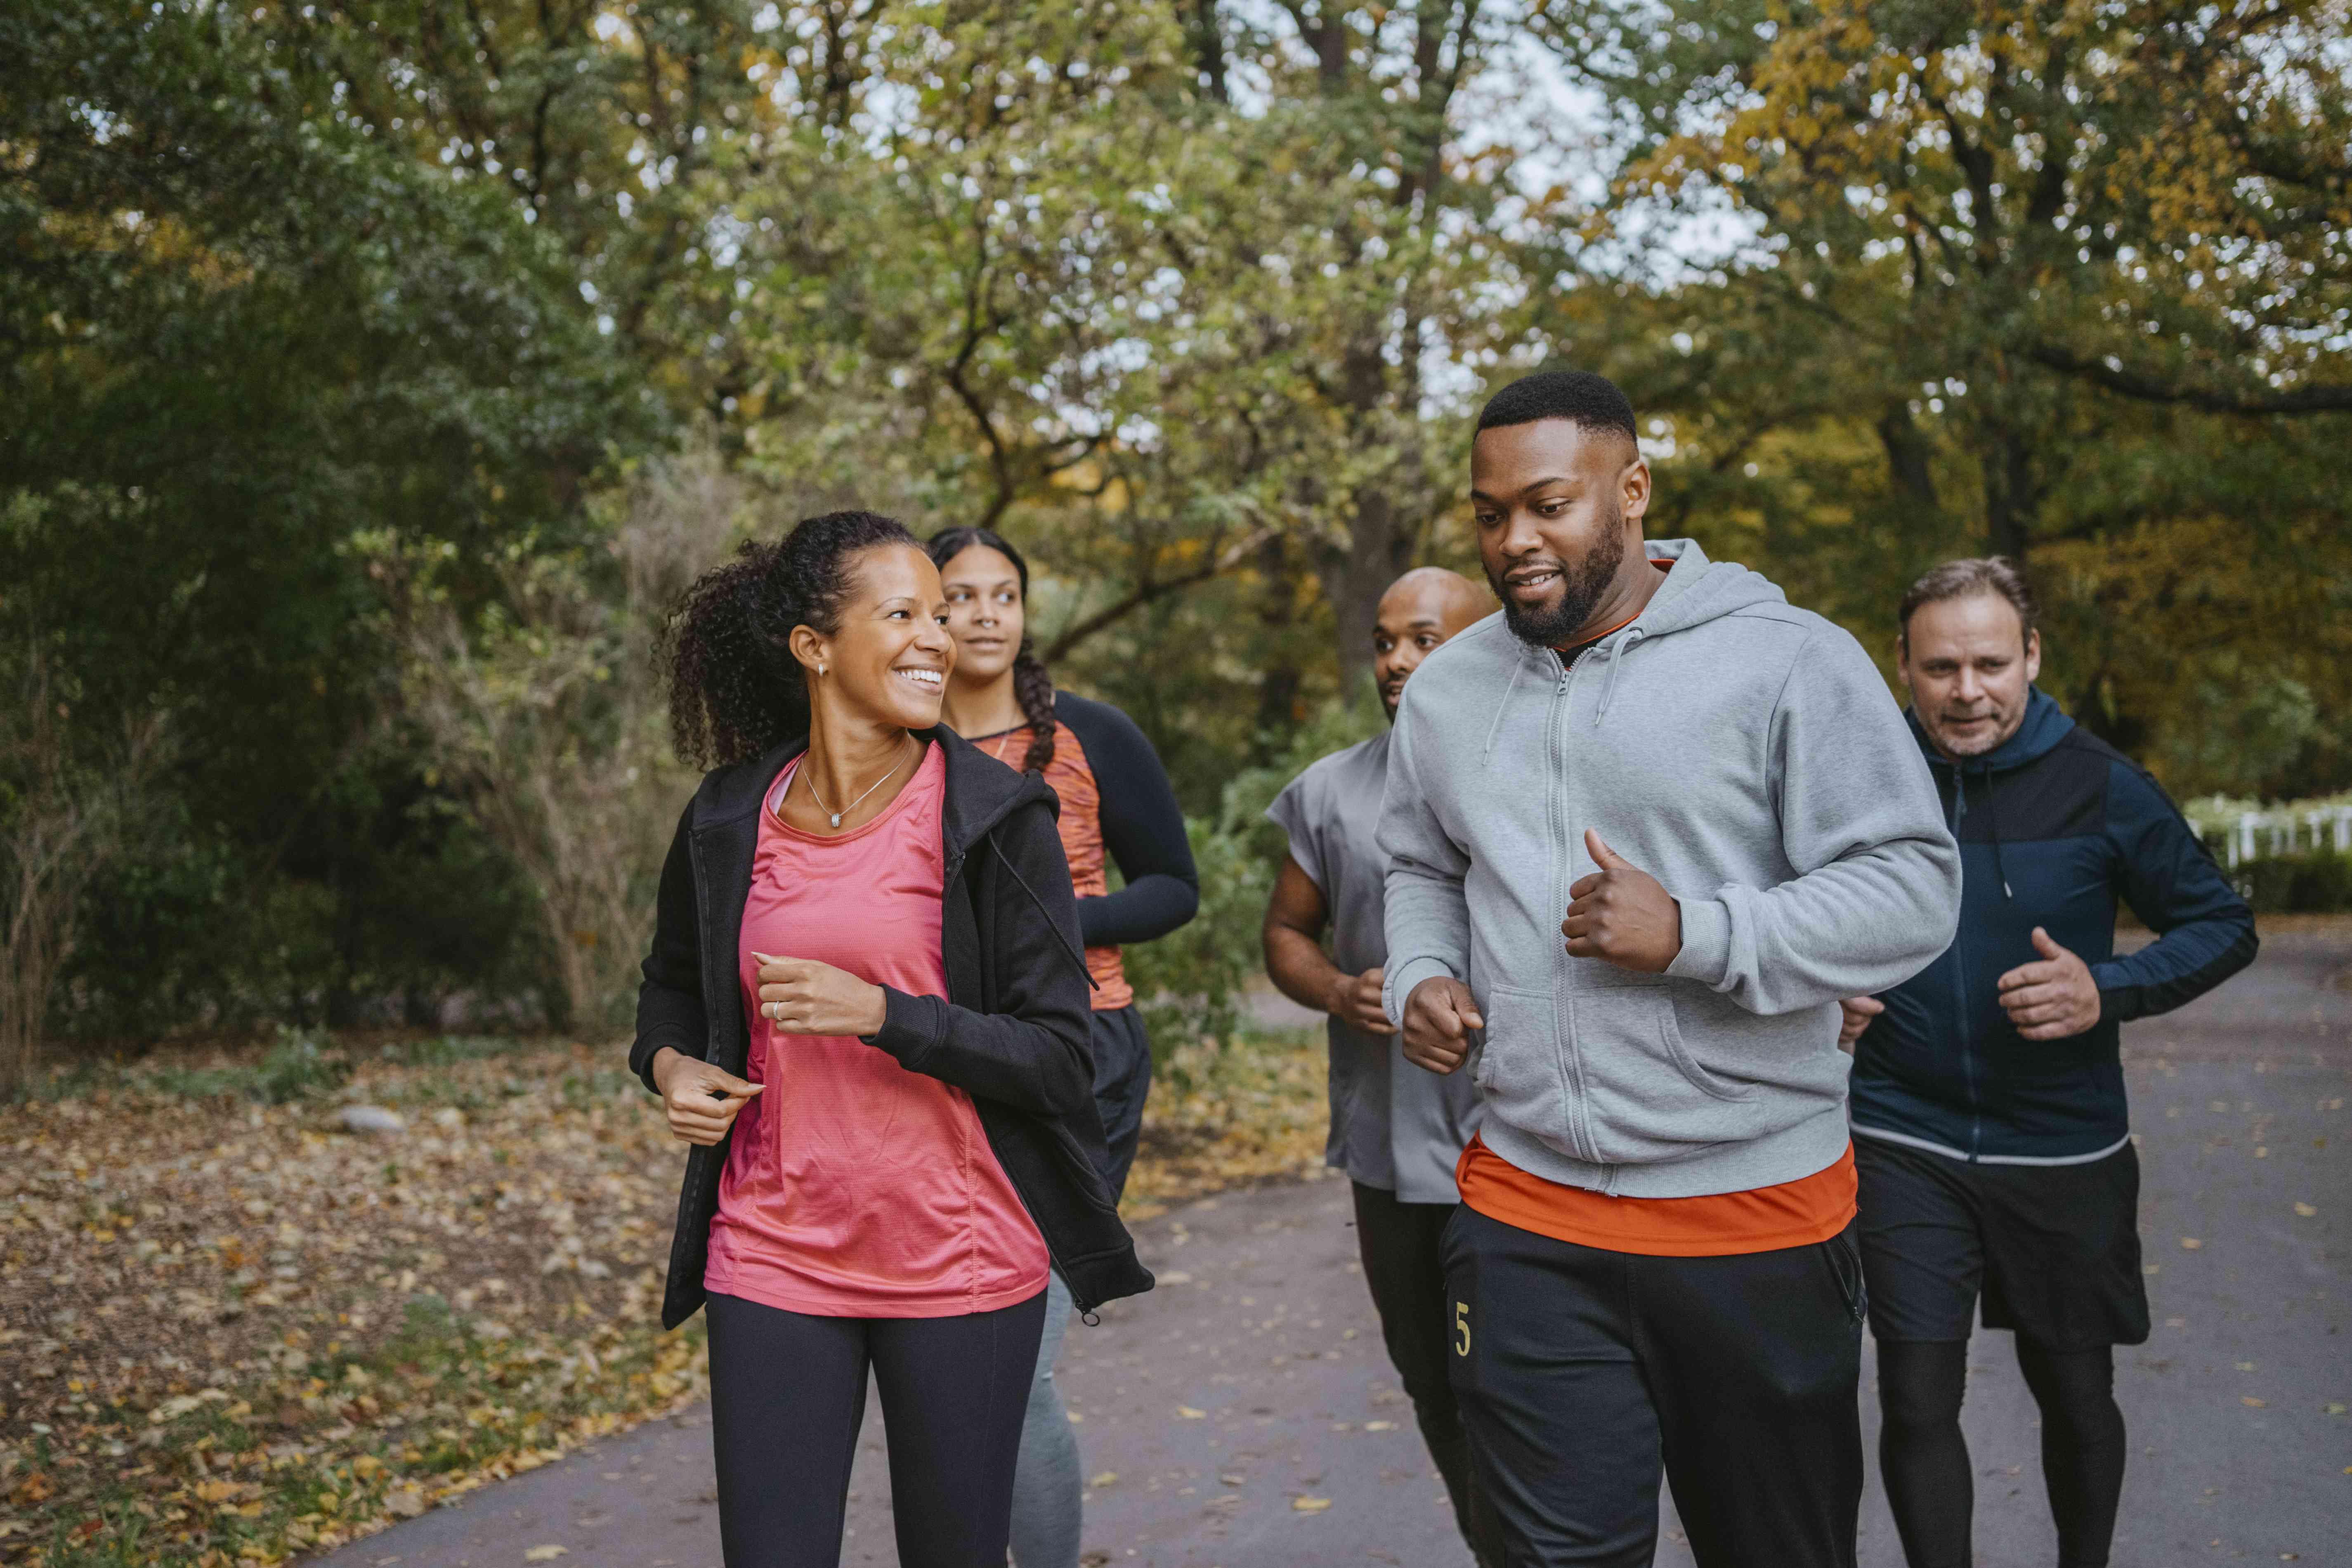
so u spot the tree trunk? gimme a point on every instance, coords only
(1380, 549)
(2011, 496)
(1907, 457)
(1277, 691)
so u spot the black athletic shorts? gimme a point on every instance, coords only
(2052, 1250)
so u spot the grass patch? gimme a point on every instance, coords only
(1252, 1109)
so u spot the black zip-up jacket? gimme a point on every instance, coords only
(1013, 1033)
(2053, 824)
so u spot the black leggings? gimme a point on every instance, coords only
(1926, 1459)
(788, 1396)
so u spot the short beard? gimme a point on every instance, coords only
(1582, 587)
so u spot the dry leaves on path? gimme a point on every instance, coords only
(233, 1332)
(233, 1329)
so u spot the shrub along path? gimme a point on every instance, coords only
(1243, 1415)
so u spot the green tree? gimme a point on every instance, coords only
(237, 330)
(2064, 283)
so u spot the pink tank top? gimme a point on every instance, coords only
(854, 1188)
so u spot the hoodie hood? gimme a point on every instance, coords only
(1696, 592)
(2044, 725)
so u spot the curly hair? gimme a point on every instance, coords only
(1032, 687)
(735, 690)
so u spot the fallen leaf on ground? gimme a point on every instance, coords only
(546, 1553)
(2305, 1210)
(1189, 1413)
(2249, 1401)
(1309, 1504)
(1103, 1480)
(2189, 1243)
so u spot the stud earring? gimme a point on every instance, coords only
(820, 669)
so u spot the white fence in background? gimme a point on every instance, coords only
(2284, 830)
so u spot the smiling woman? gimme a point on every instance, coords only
(865, 1007)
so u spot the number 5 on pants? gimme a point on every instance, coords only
(1462, 1328)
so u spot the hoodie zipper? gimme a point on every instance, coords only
(1960, 982)
(1565, 1049)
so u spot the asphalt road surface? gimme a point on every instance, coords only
(1243, 1415)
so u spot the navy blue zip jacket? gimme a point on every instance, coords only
(2053, 826)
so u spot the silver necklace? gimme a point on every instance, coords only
(808, 776)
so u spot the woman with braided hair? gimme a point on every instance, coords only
(1116, 803)
(865, 1007)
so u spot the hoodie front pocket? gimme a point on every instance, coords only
(1647, 1098)
(1519, 1072)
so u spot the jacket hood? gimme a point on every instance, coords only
(980, 791)
(2044, 725)
(1696, 592)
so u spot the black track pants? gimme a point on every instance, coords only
(1404, 1263)
(1582, 1372)
(788, 1395)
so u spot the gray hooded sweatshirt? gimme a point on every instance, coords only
(1747, 755)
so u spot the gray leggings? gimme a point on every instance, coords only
(1048, 1493)
(1046, 1486)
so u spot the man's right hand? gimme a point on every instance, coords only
(1356, 1002)
(702, 1100)
(1858, 1013)
(1438, 1018)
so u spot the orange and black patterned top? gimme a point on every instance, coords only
(1116, 809)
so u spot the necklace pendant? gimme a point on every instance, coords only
(835, 818)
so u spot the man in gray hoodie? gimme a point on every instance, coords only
(1644, 829)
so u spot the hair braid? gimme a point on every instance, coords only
(1033, 687)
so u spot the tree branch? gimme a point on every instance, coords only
(1149, 592)
(2319, 399)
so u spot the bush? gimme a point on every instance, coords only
(295, 1069)
(1190, 982)
(2318, 883)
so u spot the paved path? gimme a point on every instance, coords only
(1253, 1378)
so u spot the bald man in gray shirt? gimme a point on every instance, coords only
(1396, 1129)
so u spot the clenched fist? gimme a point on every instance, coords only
(1855, 1016)
(803, 996)
(1438, 1018)
(1356, 1002)
(1621, 915)
(701, 1100)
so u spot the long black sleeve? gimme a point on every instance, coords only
(669, 1000)
(2204, 932)
(1142, 829)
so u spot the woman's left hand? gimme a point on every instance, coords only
(801, 996)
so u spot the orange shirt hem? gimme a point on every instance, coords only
(1801, 1213)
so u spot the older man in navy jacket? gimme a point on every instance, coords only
(1992, 1140)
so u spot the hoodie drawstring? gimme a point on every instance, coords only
(1616, 662)
(1519, 667)
(1992, 819)
(1075, 957)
